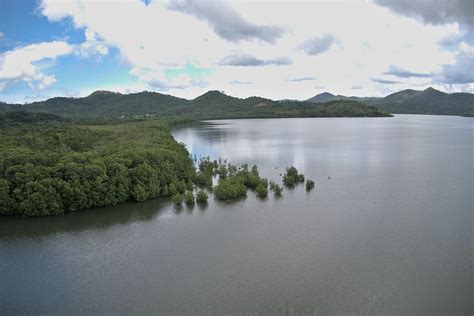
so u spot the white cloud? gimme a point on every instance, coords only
(92, 46)
(153, 39)
(19, 64)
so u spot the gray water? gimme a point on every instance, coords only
(389, 233)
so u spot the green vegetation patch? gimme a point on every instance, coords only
(189, 198)
(202, 197)
(234, 181)
(292, 177)
(277, 189)
(56, 168)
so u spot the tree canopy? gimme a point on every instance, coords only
(52, 169)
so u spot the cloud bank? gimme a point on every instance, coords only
(186, 47)
(435, 12)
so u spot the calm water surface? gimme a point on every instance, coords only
(391, 231)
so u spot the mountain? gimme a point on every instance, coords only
(325, 97)
(212, 104)
(105, 104)
(401, 96)
(428, 101)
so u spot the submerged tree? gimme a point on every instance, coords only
(202, 197)
(277, 190)
(177, 199)
(230, 188)
(189, 198)
(292, 177)
(262, 191)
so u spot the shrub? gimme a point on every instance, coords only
(222, 171)
(189, 198)
(262, 191)
(309, 185)
(202, 197)
(251, 179)
(177, 199)
(292, 177)
(206, 166)
(230, 188)
(203, 180)
(277, 190)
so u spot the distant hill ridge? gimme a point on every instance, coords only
(212, 104)
(428, 101)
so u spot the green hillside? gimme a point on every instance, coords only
(213, 104)
(429, 101)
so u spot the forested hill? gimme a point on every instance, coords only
(213, 104)
(428, 101)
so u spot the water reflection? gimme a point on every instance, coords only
(91, 219)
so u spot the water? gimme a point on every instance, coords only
(389, 233)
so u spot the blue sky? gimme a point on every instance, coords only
(276, 50)
(22, 24)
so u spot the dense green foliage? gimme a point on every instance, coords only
(52, 169)
(203, 180)
(189, 198)
(292, 177)
(309, 185)
(177, 199)
(235, 181)
(202, 197)
(211, 105)
(18, 118)
(206, 171)
(277, 189)
(261, 190)
(230, 189)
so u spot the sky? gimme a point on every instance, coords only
(273, 49)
